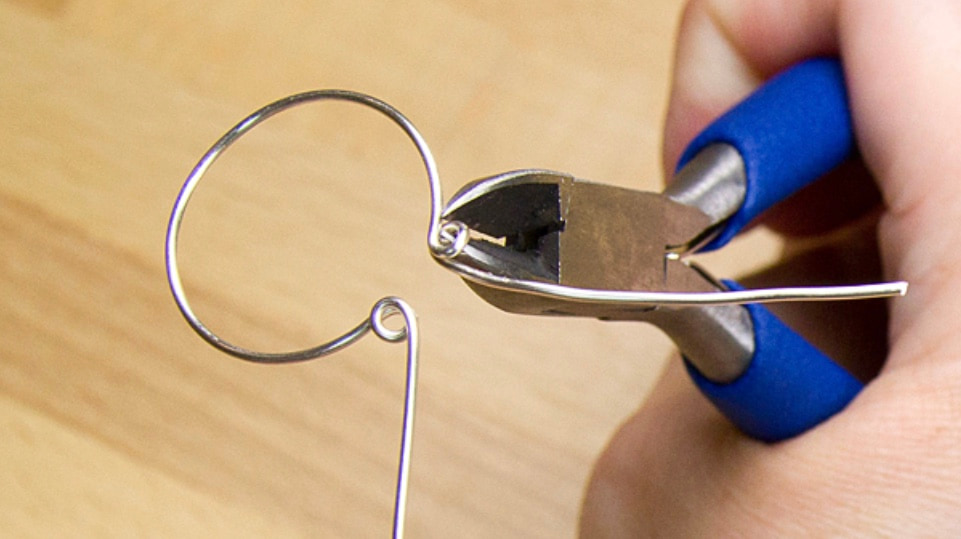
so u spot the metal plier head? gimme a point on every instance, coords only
(537, 230)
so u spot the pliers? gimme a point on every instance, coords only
(536, 234)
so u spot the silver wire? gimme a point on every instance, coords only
(442, 243)
(645, 299)
(382, 310)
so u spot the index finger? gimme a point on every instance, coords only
(726, 48)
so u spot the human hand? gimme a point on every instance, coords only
(890, 463)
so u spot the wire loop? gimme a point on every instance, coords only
(449, 245)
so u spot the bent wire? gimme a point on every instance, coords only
(383, 309)
(452, 242)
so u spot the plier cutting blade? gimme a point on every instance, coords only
(543, 242)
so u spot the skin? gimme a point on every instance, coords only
(890, 463)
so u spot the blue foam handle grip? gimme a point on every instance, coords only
(789, 387)
(791, 131)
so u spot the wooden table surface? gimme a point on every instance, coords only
(119, 421)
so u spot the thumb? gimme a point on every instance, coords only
(904, 80)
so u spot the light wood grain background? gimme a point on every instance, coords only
(118, 421)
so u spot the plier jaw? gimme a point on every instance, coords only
(515, 221)
(549, 227)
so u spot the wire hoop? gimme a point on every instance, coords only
(442, 243)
